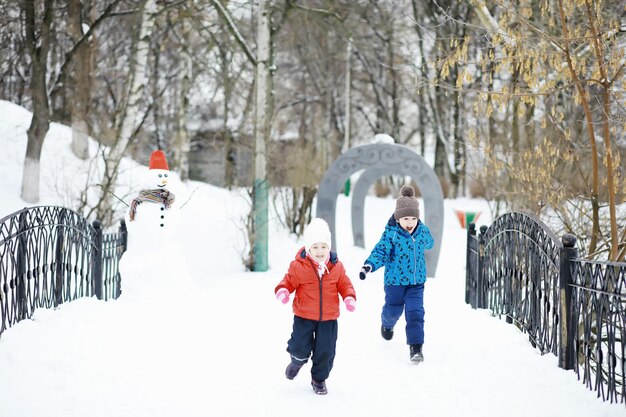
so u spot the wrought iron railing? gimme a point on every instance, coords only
(599, 326)
(473, 275)
(573, 308)
(52, 255)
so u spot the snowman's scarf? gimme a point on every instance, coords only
(154, 196)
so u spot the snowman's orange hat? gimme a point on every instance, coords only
(158, 160)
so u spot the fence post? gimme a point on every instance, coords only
(22, 309)
(480, 295)
(97, 260)
(470, 292)
(566, 330)
(124, 241)
(124, 234)
(59, 269)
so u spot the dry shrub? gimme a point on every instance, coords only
(418, 192)
(445, 186)
(476, 189)
(381, 188)
(294, 164)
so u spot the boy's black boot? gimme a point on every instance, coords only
(416, 354)
(386, 333)
(292, 370)
(319, 387)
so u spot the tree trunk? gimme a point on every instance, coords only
(393, 74)
(230, 156)
(130, 117)
(421, 100)
(606, 130)
(261, 134)
(80, 85)
(584, 98)
(460, 154)
(154, 92)
(40, 122)
(182, 143)
(346, 130)
(441, 156)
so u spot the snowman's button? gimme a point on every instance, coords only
(162, 208)
(161, 224)
(162, 217)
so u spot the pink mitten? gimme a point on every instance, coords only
(282, 295)
(350, 304)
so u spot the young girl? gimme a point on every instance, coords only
(401, 251)
(318, 278)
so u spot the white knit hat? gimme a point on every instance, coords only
(317, 231)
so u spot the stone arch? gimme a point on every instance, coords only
(378, 160)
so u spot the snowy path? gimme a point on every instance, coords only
(226, 358)
(220, 351)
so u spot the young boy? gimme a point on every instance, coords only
(401, 251)
(318, 278)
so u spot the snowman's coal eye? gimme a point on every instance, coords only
(165, 175)
(160, 175)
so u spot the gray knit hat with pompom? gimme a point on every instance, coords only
(407, 205)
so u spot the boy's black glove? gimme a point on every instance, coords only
(365, 269)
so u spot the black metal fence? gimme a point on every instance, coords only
(51, 255)
(573, 308)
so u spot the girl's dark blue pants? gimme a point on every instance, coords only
(318, 338)
(410, 299)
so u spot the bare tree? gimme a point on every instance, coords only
(38, 31)
(565, 60)
(130, 116)
(80, 85)
(185, 76)
(261, 134)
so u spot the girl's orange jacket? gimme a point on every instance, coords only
(316, 298)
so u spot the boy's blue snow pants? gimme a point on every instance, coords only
(409, 298)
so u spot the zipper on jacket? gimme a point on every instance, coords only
(321, 292)
(414, 261)
(320, 279)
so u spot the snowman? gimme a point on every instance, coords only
(153, 262)
(154, 213)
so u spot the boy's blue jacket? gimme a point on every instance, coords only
(402, 254)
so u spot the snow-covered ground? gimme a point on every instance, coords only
(211, 341)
